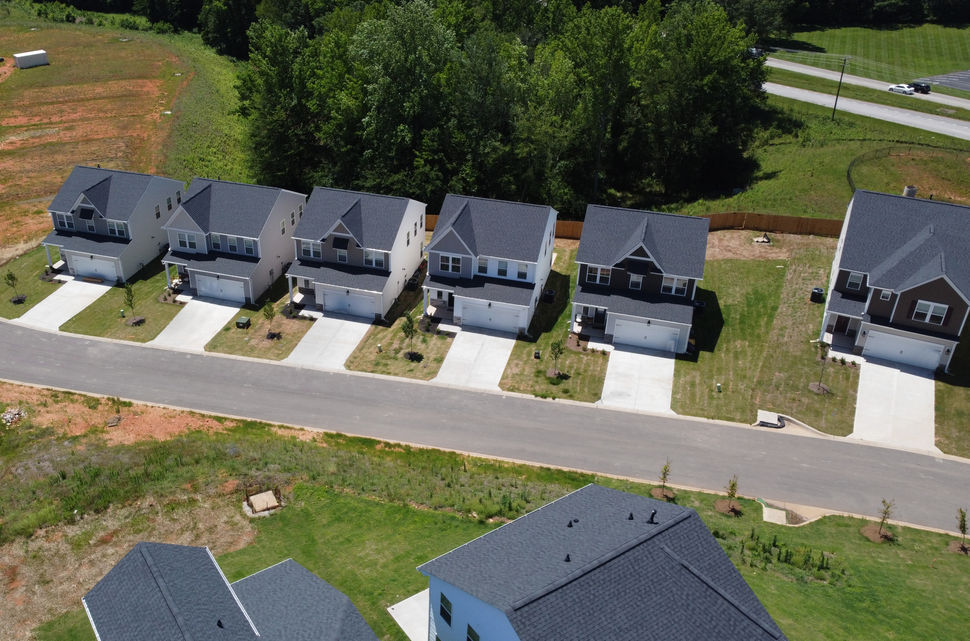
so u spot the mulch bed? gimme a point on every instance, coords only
(577, 342)
(871, 532)
(724, 506)
(959, 547)
(663, 495)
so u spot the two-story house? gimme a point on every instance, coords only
(231, 240)
(900, 283)
(596, 564)
(638, 273)
(164, 592)
(108, 222)
(488, 261)
(356, 251)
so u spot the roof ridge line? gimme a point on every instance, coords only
(724, 595)
(124, 171)
(601, 560)
(651, 211)
(261, 571)
(163, 588)
(361, 193)
(500, 200)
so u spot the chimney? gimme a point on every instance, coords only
(909, 191)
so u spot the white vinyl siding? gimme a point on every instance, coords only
(523, 271)
(503, 268)
(249, 246)
(482, 265)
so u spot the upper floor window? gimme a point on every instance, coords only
(523, 271)
(310, 249)
(854, 281)
(186, 241)
(885, 294)
(64, 221)
(482, 265)
(674, 285)
(282, 228)
(374, 258)
(169, 202)
(636, 281)
(178, 197)
(503, 268)
(415, 229)
(927, 312)
(118, 229)
(249, 246)
(293, 217)
(158, 211)
(91, 226)
(471, 635)
(598, 275)
(407, 238)
(341, 255)
(233, 244)
(301, 211)
(445, 609)
(216, 241)
(451, 264)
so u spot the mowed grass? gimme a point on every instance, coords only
(103, 318)
(937, 173)
(582, 372)
(953, 404)
(253, 341)
(27, 268)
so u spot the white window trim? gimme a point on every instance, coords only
(374, 258)
(674, 285)
(598, 275)
(482, 263)
(885, 294)
(118, 229)
(311, 249)
(452, 262)
(849, 281)
(233, 243)
(522, 273)
(186, 240)
(341, 255)
(64, 221)
(503, 266)
(636, 281)
(249, 246)
(216, 241)
(930, 310)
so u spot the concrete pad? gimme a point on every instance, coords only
(196, 324)
(895, 406)
(63, 304)
(477, 359)
(329, 342)
(639, 379)
(773, 515)
(412, 615)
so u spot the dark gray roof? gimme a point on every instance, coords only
(374, 220)
(625, 580)
(676, 309)
(113, 192)
(287, 602)
(87, 243)
(362, 278)
(492, 289)
(161, 592)
(496, 228)
(902, 242)
(844, 304)
(222, 207)
(677, 243)
(215, 263)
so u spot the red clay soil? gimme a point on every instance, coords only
(663, 495)
(731, 508)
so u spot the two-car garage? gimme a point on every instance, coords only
(346, 302)
(900, 349)
(92, 266)
(645, 334)
(496, 317)
(209, 286)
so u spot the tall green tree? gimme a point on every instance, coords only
(763, 18)
(224, 23)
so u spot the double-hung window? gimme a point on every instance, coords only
(158, 212)
(118, 229)
(178, 197)
(64, 221)
(503, 268)
(216, 241)
(374, 258)
(674, 285)
(282, 228)
(598, 275)
(186, 241)
(310, 249)
(341, 255)
(450, 264)
(169, 203)
(444, 609)
(636, 281)
(233, 244)
(854, 281)
(523, 271)
(933, 313)
(471, 635)
(249, 246)
(482, 265)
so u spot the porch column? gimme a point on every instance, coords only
(168, 275)
(289, 279)
(47, 248)
(425, 299)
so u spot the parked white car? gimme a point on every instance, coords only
(906, 89)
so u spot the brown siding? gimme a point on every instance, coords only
(937, 291)
(880, 308)
(844, 276)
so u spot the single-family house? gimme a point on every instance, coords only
(595, 564)
(488, 261)
(900, 283)
(164, 592)
(356, 251)
(232, 240)
(638, 274)
(108, 222)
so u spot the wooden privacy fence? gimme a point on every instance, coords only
(725, 220)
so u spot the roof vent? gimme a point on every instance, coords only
(219, 624)
(569, 524)
(909, 191)
(567, 560)
(653, 517)
(630, 518)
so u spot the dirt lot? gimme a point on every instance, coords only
(100, 101)
(740, 244)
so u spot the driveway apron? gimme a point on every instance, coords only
(895, 405)
(477, 359)
(196, 324)
(639, 379)
(63, 304)
(329, 342)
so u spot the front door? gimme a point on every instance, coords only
(841, 324)
(451, 300)
(599, 318)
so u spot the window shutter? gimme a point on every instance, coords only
(912, 308)
(946, 317)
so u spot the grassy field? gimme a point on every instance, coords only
(953, 404)
(363, 514)
(893, 55)
(584, 372)
(27, 268)
(101, 318)
(938, 173)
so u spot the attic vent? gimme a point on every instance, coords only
(630, 518)
(219, 624)
(567, 560)
(653, 516)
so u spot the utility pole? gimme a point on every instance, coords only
(837, 91)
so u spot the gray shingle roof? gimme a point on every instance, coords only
(227, 264)
(287, 602)
(362, 278)
(161, 592)
(496, 228)
(676, 309)
(625, 580)
(845, 304)
(902, 242)
(677, 243)
(373, 219)
(223, 207)
(491, 289)
(87, 243)
(113, 192)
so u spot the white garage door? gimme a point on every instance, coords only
(903, 350)
(222, 288)
(637, 334)
(353, 304)
(478, 314)
(103, 268)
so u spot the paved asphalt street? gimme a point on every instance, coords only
(831, 473)
(927, 122)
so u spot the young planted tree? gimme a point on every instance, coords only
(409, 330)
(557, 349)
(732, 494)
(962, 524)
(11, 280)
(130, 298)
(664, 477)
(887, 512)
(269, 313)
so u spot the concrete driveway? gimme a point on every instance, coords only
(896, 406)
(639, 379)
(63, 304)
(477, 359)
(196, 324)
(329, 342)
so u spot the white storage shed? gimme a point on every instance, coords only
(30, 59)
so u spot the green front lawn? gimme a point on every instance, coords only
(103, 318)
(582, 372)
(27, 268)
(953, 404)
(253, 341)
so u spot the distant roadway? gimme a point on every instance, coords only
(824, 472)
